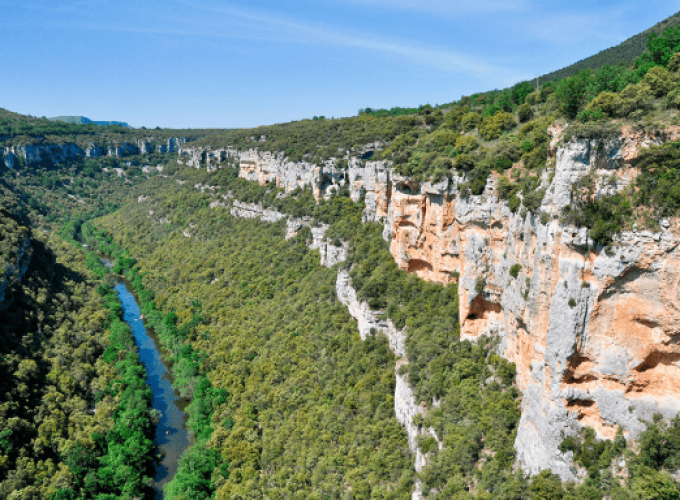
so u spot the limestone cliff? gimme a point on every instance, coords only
(593, 335)
(591, 330)
(60, 153)
(405, 405)
(266, 167)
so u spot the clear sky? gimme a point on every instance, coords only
(210, 63)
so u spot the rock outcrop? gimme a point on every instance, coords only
(94, 151)
(255, 211)
(369, 321)
(330, 253)
(264, 167)
(35, 154)
(406, 407)
(591, 330)
(593, 335)
(14, 273)
(7, 158)
(60, 153)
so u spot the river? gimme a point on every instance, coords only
(172, 437)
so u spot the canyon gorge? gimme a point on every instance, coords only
(592, 330)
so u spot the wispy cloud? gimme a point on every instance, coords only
(447, 7)
(439, 58)
(571, 29)
(222, 22)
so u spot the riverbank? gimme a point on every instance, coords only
(171, 436)
(194, 473)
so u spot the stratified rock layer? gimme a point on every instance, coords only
(593, 334)
(60, 153)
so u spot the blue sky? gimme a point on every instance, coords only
(210, 63)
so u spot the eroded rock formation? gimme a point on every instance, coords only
(593, 334)
(264, 167)
(60, 153)
(14, 272)
(591, 330)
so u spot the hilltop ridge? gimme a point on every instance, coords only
(624, 53)
(83, 120)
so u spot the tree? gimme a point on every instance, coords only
(674, 63)
(662, 47)
(493, 126)
(660, 81)
(607, 102)
(470, 121)
(520, 91)
(571, 93)
(649, 484)
(546, 486)
(525, 112)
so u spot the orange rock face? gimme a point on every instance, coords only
(259, 168)
(594, 336)
(423, 233)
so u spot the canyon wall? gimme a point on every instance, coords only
(265, 167)
(60, 153)
(592, 331)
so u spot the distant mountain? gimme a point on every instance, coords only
(625, 52)
(82, 120)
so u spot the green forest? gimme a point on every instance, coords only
(75, 410)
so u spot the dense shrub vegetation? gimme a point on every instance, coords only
(74, 412)
(479, 405)
(308, 407)
(317, 140)
(83, 188)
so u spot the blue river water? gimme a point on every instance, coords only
(172, 437)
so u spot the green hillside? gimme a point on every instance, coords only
(624, 53)
(18, 129)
